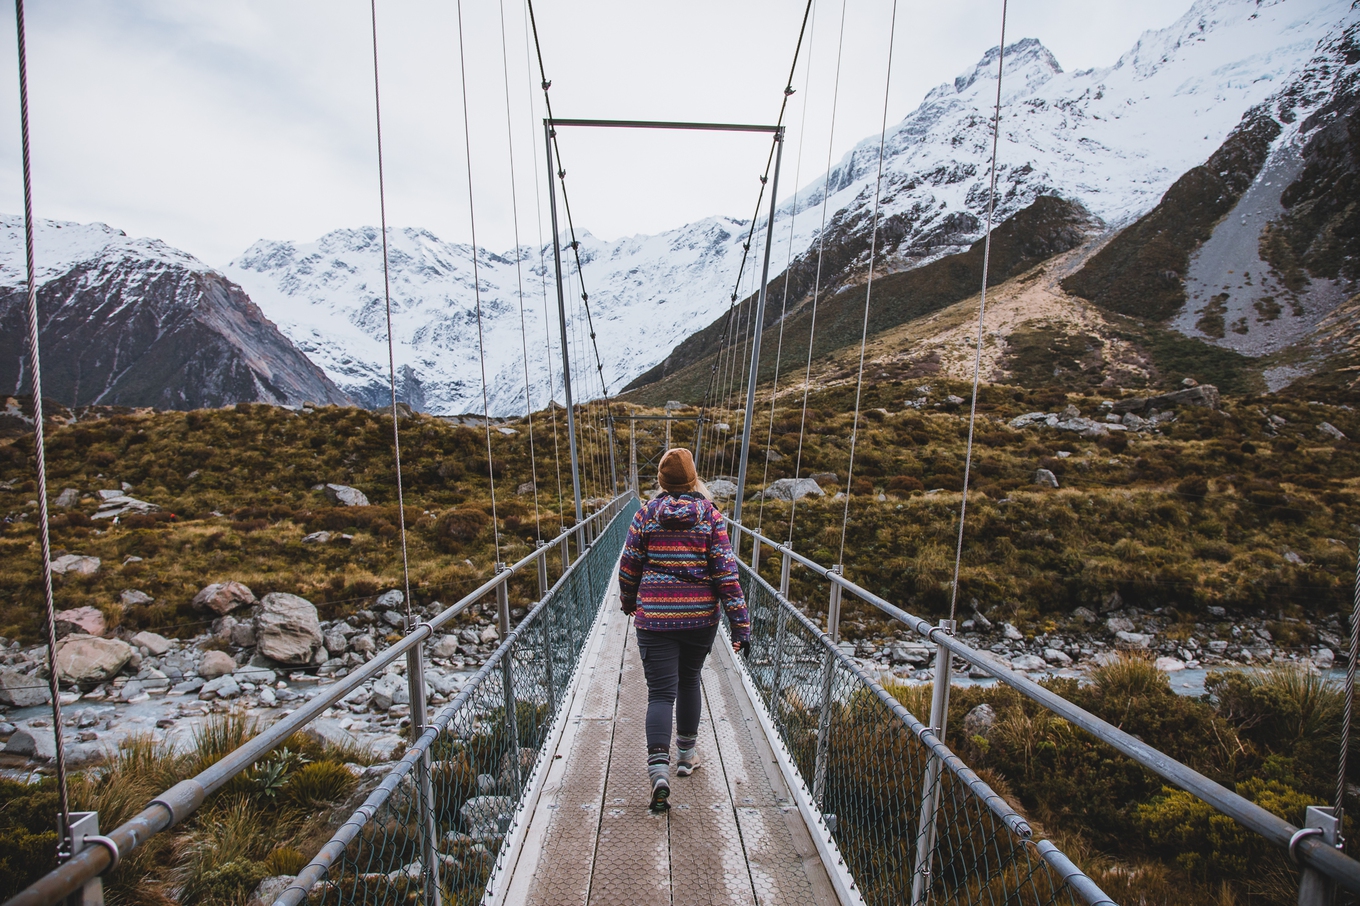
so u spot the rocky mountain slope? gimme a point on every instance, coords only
(1111, 139)
(133, 322)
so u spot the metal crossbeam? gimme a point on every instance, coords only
(663, 124)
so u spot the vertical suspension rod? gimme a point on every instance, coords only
(562, 324)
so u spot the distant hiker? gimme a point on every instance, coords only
(677, 566)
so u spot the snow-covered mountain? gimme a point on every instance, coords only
(134, 322)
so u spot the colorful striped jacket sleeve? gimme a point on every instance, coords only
(722, 567)
(633, 562)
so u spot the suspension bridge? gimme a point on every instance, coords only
(818, 786)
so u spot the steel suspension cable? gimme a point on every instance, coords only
(1348, 701)
(817, 281)
(788, 265)
(519, 272)
(39, 449)
(869, 287)
(477, 287)
(387, 302)
(543, 283)
(982, 314)
(764, 181)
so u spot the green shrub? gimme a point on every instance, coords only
(318, 784)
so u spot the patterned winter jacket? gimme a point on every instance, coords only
(678, 565)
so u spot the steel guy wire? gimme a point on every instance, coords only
(764, 180)
(476, 289)
(64, 841)
(817, 281)
(387, 303)
(543, 284)
(788, 265)
(519, 271)
(1348, 701)
(982, 314)
(869, 287)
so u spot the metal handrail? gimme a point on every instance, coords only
(183, 799)
(1310, 851)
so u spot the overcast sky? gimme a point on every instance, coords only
(213, 123)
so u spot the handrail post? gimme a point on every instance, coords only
(755, 553)
(833, 629)
(930, 804)
(784, 569)
(507, 674)
(1315, 889)
(415, 685)
(84, 827)
(546, 629)
(542, 568)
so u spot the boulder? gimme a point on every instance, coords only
(250, 673)
(86, 620)
(1009, 630)
(1323, 658)
(1119, 624)
(1169, 664)
(269, 890)
(722, 489)
(84, 659)
(1204, 395)
(1331, 430)
(1045, 478)
(389, 600)
(526, 488)
(223, 597)
(315, 538)
(19, 690)
(33, 743)
(1085, 614)
(343, 495)
(388, 690)
(130, 596)
(243, 635)
(1132, 640)
(825, 478)
(487, 816)
(335, 642)
(792, 489)
(215, 664)
(1028, 662)
(490, 634)
(75, 563)
(1057, 658)
(446, 647)
(222, 687)
(287, 630)
(979, 721)
(67, 498)
(156, 645)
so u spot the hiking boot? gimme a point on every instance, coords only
(686, 763)
(661, 791)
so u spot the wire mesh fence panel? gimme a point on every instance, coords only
(868, 762)
(432, 829)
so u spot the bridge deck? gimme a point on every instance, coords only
(732, 835)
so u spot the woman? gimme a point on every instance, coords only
(677, 566)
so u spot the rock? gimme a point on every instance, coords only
(446, 647)
(243, 635)
(1119, 624)
(1205, 395)
(825, 478)
(526, 488)
(1111, 603)
(130, 597)
(267, 698)
(1009, 630)
(487, 816)
(1169, 664)
(190, 685)
(260, 676)
(364, 643)
(67, 498)
(32, 743)
(1045, 479)
(223, 597)
(1218, 646)
(87, 718)
(792, 489)
(222, 687)
(287, 630)
(335, 643)
(1086, 615)
(394, 619)
(1132, 640)
(315, 538)
(979, 721)
(155, 644)
(21, 691)
(86, 620)
(387, 748)
(132, 692)
(722, 489)
(390, 600)
(83, 659)
(75, 563)
(1028, 662)
(1331, 430)
(1215, 611)
(215, 664)
(269, 890)
(1324, 658)
(388, 690)
(490, 634)
(342, 495)
(122, 505)
(507, 775)
(1057, 658)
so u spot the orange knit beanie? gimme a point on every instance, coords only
(676, 472)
